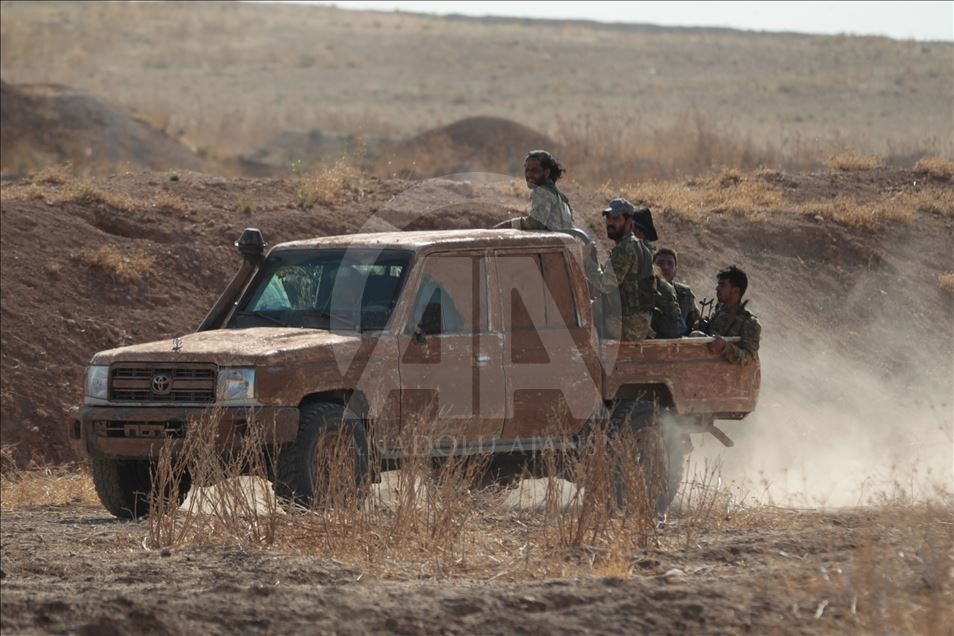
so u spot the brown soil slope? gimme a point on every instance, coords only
(46, 125)
(142, 256)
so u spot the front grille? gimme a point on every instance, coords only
(167, 383)
(140, 430)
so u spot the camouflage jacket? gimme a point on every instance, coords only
(687, 306)
(737, 321)
(549, 210)
(629, 270)
(667, 317)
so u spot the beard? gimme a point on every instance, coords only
(615, 234)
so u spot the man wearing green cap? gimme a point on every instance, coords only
(549, 207)
(628, 271)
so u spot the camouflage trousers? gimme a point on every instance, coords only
(631, 328)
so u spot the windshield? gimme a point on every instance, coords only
(340, 289)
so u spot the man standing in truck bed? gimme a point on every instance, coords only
(733, 319)
(549, 208)
(629, 271)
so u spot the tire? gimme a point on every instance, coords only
(660, 453)
(124, 486)
(307, 475)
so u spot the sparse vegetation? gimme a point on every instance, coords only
(850, 161)
(42, 484)
(127, 268)
(936, 168)
(245, 203)
(329, 186)
(946, 282)
(168, 202)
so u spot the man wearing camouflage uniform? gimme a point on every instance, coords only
(629, 272)
(668, 263)
(549, 208)
(667, 317)
(731, 318)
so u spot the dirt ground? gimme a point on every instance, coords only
(73, 569)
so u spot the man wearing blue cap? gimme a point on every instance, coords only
(628, 271)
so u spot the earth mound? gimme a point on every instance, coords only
(47, 124)
(489, 144)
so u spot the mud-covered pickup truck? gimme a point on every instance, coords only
(441, 343)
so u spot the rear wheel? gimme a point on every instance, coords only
(659, 452)
(328, 463)
(124, 486)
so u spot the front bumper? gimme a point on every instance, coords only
(127, 432)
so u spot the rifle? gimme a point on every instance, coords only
(705, 314)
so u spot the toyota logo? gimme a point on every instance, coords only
(161, 384)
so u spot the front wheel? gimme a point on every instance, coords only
(328, 463)
(124, 486)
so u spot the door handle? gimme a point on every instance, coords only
(483, 359)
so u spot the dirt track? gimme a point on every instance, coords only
(78, 570)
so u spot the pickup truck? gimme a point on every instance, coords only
(441, 343)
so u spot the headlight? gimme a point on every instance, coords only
(235, 386)
(97, 381)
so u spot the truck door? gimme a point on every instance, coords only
(551, 361)
(452, 384)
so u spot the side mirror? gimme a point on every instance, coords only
(419, 334)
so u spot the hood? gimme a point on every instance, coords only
(236, 347)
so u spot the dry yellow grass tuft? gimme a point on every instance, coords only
(731, 192)
(329, 186)
(23, 193)
(86, 193)
(936, 168)
(168, 202)
(43, 485)
(850, 161)
(946, 282)
(57, 188)
(127, 268)
(54, 175)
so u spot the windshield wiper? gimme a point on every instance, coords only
(263, 316)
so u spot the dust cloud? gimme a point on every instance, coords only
(834, 431)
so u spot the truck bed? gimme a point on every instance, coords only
(682, 371)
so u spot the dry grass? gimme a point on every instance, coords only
(40, 484)
(427, 518)
(898, 579)
(850, 161)
(730, 192)
(59, 188)
(127, 268)
(329, 186)
(86, 193)
(168, 202)
(946, 282)
(936, 168)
